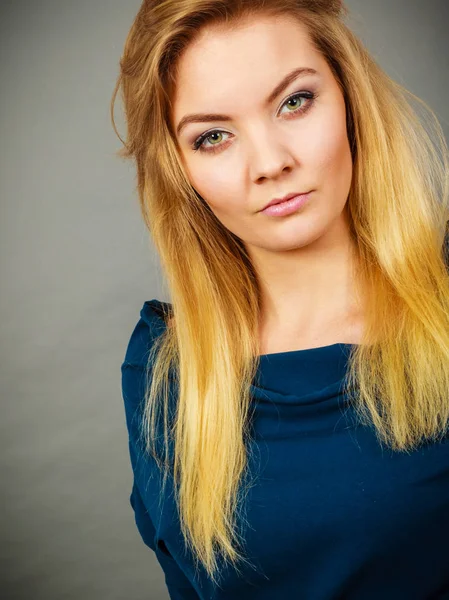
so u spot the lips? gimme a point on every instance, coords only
(284, 199)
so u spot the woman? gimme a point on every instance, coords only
(257, 473)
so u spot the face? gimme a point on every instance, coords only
(275, 140)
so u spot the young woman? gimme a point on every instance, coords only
(258, 472)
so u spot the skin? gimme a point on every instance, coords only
(304, 259)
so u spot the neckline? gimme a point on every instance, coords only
(337, 346)
(305, 375)
(160, 307)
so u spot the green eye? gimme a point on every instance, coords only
(214, 133)
(309, 96)
(198, 144)
(293, 100)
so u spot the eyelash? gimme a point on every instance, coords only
(198, 143)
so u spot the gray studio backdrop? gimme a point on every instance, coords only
(76, 267)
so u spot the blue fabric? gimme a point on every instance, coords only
(332, 514)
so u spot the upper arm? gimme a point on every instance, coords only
(133, 392)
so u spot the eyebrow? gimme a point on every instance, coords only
(208, 117)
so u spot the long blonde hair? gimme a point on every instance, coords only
(398, 206)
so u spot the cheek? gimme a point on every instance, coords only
(328, 141)
(330, 154)
(219, 188)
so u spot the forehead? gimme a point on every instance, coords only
(253, 55)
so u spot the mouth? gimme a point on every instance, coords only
(276, 201)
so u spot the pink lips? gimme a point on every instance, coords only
(288, 206)
(279, 200)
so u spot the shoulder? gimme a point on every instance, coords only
(154, 317)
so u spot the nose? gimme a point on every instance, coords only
(270, 158)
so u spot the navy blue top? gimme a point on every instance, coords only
(332, 514)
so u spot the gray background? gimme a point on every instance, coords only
(76, 267)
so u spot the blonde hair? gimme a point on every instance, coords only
(398, 206)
